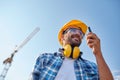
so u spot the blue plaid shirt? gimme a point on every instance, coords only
(47, 66)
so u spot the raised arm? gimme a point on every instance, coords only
(94, 43)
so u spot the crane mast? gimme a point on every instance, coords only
(8, 62)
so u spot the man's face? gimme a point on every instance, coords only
(73, 37)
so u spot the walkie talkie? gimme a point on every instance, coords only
(89, 29)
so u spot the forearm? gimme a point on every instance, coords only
(104, 71)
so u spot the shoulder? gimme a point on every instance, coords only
(47, 58)
(48, 55)
(44, 55)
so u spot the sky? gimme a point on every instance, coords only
(18, 18)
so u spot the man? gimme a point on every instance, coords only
(68, 63)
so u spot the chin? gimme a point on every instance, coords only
(76, 44)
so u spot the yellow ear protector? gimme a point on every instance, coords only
(72, 52)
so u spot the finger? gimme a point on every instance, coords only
(90, 45)
(91, 36)
(90, 41)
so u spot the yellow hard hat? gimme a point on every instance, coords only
(72, 24)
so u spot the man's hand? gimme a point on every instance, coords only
(94, 43)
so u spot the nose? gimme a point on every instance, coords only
(79, 33)
(76, 34)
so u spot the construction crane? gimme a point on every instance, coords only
(7, 62)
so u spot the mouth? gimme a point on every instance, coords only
(76, 42)
(76, 39)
